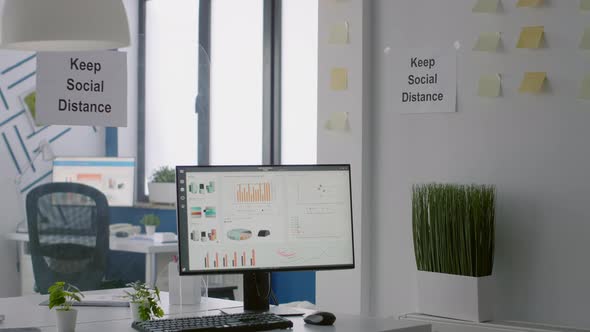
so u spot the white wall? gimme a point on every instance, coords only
(346, 291)
(534, 148)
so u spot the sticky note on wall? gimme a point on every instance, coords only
(486, 6)
(531, 37)
(487, 42)
(489, 85)
(338, 122)
(529, 3)
(339, 79)
(585, 44)
(585, 90)
(584, 4)
(532, 82)
(339, 33)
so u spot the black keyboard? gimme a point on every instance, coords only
(230, 322)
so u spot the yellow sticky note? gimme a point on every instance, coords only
(339, 79)
(338, 122)
(529, 3)
(585, 90)
(489, 85)
(532, 82)
(488, 42)
(585, 44)
(339, 33)
(584, 4)
(486, 6)
(531, 37)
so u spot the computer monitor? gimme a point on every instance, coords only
(114, 177)
(258, 219)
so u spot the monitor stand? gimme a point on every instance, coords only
(256, 291)
(256, 296)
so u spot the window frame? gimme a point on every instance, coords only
(271, 93)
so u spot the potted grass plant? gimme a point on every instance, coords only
(161, 187)
(453, 228)
(62, 296)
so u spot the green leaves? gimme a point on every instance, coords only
(453, 228)
(164, 174)
(147, 298)
(63, 295)
(150, 220)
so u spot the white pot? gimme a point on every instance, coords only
(454, 296)
(135, 311)
(162, 192)
(150, 229)
(66, 320)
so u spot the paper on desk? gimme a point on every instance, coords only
(531, 37)
(529, 3)
(489, 85)
(339, 79)
(338, 122)
(532, 82)
(339, 33)
(585, 44)
(486, 6)
(585, 90)
(487, 42)
(584, 4)
(102, 300)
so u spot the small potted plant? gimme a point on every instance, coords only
(161, 187)
(143, 301)
(150, 221)
(62, 296)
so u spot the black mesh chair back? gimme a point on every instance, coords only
(68, 235)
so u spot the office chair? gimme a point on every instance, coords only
(68, 235)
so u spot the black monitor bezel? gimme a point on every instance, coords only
(182, 228)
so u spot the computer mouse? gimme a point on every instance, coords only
(320, 318)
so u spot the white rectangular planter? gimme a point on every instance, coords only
(454, 296)
(160, 192)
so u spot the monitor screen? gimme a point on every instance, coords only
(114, 177)
(233, 219)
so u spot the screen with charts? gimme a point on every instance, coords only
(238, 218)
(114, 177)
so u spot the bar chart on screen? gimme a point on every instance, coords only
(253, 192)
(233, 259)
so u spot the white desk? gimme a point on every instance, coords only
(149, 248)
(25, 312)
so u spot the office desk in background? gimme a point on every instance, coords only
(25, 311)
(149, 248)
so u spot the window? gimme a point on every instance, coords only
(171, 83)
(254, 66)
(236, 82)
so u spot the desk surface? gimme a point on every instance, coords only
(118, 244)
(25, 311)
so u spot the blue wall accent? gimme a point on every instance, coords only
(112, 142)
(294, 286)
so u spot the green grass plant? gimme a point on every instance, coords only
(454, 228)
